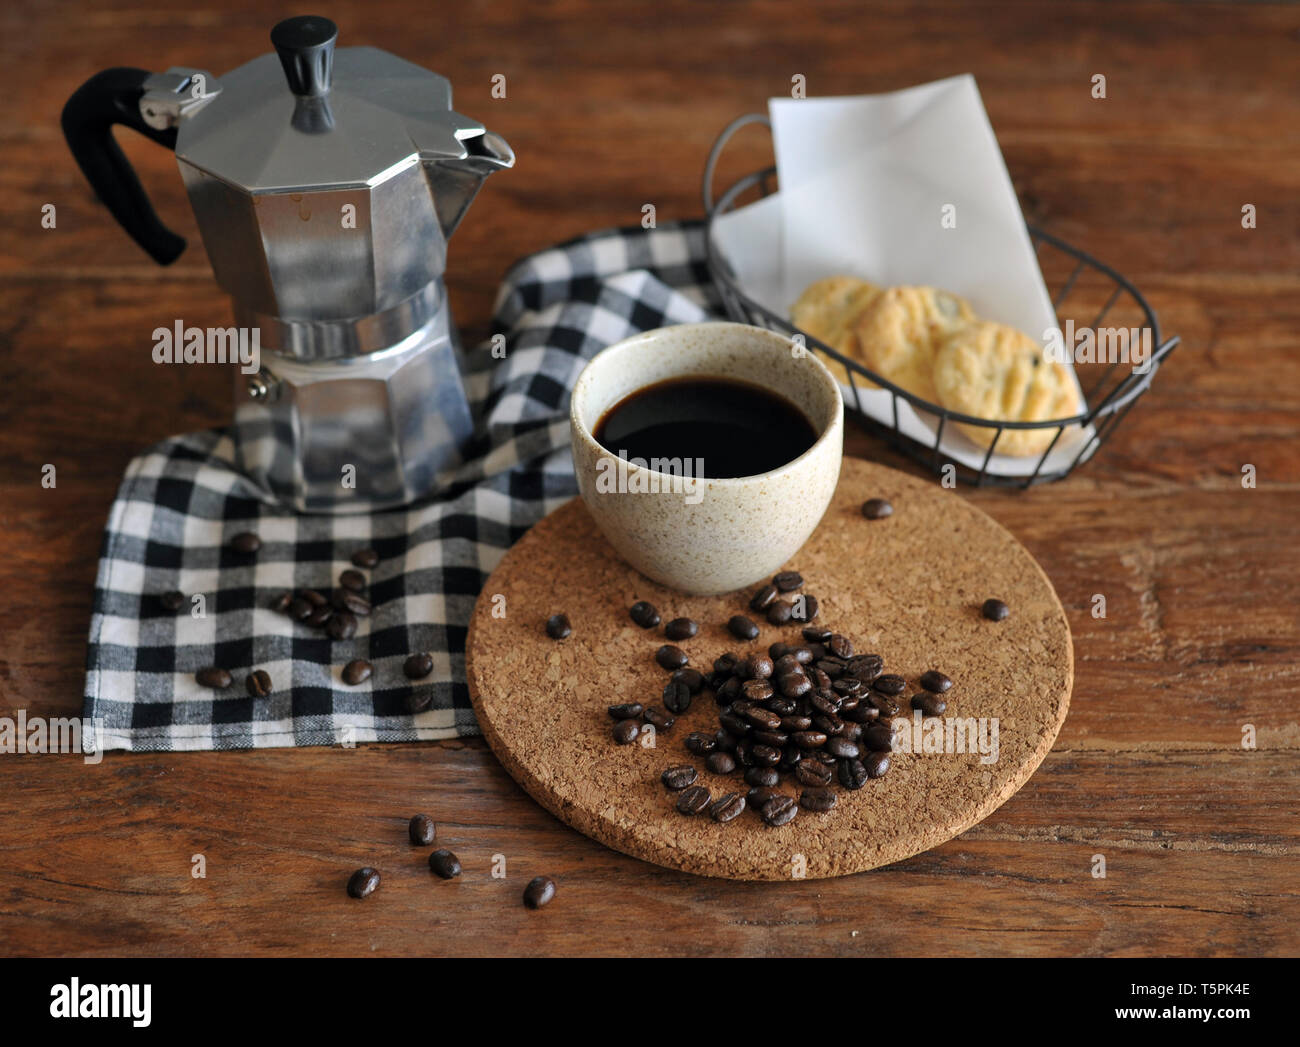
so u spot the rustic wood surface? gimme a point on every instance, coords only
(612, 106)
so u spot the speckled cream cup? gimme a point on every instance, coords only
(698, 534)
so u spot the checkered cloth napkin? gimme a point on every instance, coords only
(182, 500)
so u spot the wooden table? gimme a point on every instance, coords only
(611, 107)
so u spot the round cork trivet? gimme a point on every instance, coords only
(908, 587)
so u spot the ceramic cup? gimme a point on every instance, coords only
(699, 534)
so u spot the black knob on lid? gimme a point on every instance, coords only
(306, 48)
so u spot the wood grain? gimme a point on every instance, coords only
(609, 107)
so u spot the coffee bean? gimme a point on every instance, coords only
(366, 558)
(879, 738)
(319, 616)
(779, 810)
(246, 542)
(821, 680)
(776, 739)
(849, 687)
(316, 599)
(841, 748)
(363, 883)
(865, 667)
(763, 598)
(790, 758)
(726, 663)
(733, 723)
(353, 603)
(625, 732)
(876, 509)
(794, 685)
(558, 627)
(792, 724)
(693, 800)
(258, 683)
(804, 654)
(681, 628)
(418, 666)
(742, 628)
(816, 634)
(824, 702)
(418, 699)
(890, 683)
(831, 726)
(728, 807)
(813, 773)
(670, 657)
(676, 697)
(779, 613)
(726, 741)
(729, 691)
(357, 671)
(300, 610)
(782, 705)
(885, 704)
(213, 677)
(929, 704)
(700, 743)
(658, 719)
(860, 714)
(341, 626)
(692, 678)
(173, 601)
(759, 795)
(422, 830)
(354, 580)
(766, 755)
(817, 799)
(756, 690)
(852, 774)
(678, 778)
(763, 718)
(840, 646)
(626, 710)
(762, 777)
(809, 739)
(540, 891)
(755, 667)
(720, 763)
(935, 682)
(994, 610)
(282, 602)
(788, 581)
(876, 764)
(644, 614)
(779, 650)
(804, 609)
(445, 864)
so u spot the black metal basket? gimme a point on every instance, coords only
(1086, 288)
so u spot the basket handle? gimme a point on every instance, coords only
(710, 165)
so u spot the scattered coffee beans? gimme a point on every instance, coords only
(676, 697)
(929, 704)
(995, 610)
(658, 719)
(282, 602)
(357, 671)
(422, 830)
(626, 710)
(213, 677)
(246, 542)
(364, 882)
(626, 732)
(935, 682)
(678, 778)
(780, 810)
(353, 603)
(727, 807)
(876, 509)
(539, 892)
(366, 558)
(779, 613)
(890, 684)
(258, 683)
(558, 627)
(354, 580)
(445, 864)
(693, 799)
(681, 628)
(816, 799)
(764, 598)
(788, 581)
(418, 666)
(341, 626)
(644, 614)
(720, 763)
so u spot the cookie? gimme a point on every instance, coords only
(899, 334)
(827, 310)
(993, 371)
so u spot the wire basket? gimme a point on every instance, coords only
(1086, 292)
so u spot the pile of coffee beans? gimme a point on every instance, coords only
(813, 713)
(422, 831)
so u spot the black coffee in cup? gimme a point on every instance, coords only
(735, 428)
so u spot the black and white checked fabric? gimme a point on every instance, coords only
(182, 500)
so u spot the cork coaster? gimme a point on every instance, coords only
(908, 587)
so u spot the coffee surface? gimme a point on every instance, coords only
(733, 428)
